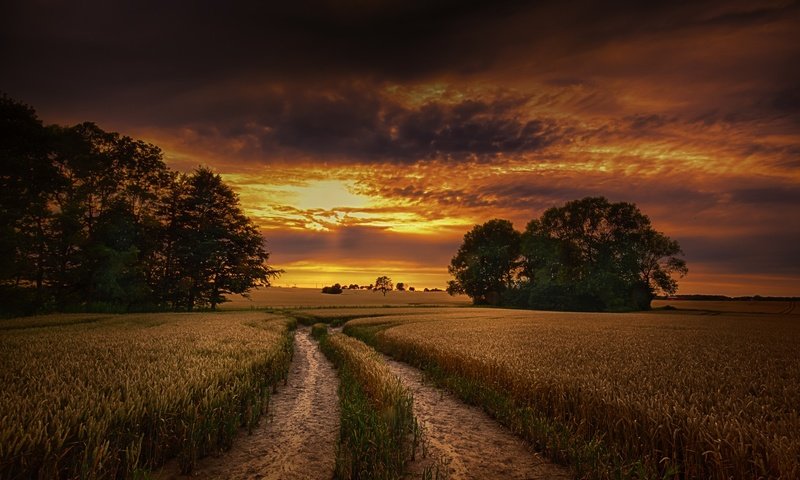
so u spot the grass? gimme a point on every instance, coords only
(378, 430)
(621, 395)
(117, 396)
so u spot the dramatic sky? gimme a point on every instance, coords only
(365, 137)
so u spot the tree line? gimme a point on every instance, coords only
(95, 220)
(587, 255)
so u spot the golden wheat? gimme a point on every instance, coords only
(110, 396)
(690, 396)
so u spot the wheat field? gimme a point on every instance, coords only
(112, 396)
(638, 395)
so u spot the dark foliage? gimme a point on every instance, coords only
(485, 264)
(334, 289)
(588, 255)
(383, 284)
(94, 220)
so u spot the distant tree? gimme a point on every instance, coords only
(218, 250)
(400, 286)
(485, 264)
(383, 284)
(335, 289)
(354, 286)
(411, 289)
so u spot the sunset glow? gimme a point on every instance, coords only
(372, 152)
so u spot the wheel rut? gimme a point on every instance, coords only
(465, 442)
(296, 439)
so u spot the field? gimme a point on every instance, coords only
(710, 390)
(109, 396)
(677, 395)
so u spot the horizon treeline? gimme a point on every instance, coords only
(95, 220)
(587, 255)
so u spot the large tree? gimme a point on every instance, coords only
(218, 250)
(91, 219)
(485, 264)
(595, 254)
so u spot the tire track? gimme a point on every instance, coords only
(296, 440)
(464, 441)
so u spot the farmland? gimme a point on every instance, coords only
(705, 391)
(674, 394)
(109, 396)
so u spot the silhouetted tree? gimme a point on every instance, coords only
(593, 254)
(334, 289)
(383, 284)
(218, 250)
(400, 286)
(91, 219)
(29, 183)
(485, 264)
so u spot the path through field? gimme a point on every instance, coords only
(297, 438)
(467, 442)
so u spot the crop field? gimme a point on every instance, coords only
(113, 396)
(674, 395)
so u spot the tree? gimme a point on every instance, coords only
(485, 264)
(217, 249)
(29, 183)
(334, 289)
(383, 284)
(91, 219)
(592, 254)
(401, 286)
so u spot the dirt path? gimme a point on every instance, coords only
(467, 442)
(297, 438)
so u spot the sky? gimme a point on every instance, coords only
(366, 137)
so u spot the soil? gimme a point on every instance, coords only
(296, 440)
(463, 442)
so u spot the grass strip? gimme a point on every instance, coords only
(378, 433)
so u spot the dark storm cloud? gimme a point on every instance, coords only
(117, 53)
(356, 122)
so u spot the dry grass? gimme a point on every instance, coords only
(638, 395)
(113, 396)
(282, 297)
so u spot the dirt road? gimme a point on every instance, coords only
(297, 439)
(467, 443)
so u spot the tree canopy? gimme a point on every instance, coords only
(590, 254)
(383, 284)
(96, 220)
(485, 264)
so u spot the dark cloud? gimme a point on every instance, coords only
(761, 253)
(767, 195)
(358, 122)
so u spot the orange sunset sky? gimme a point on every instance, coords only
(366, 137)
